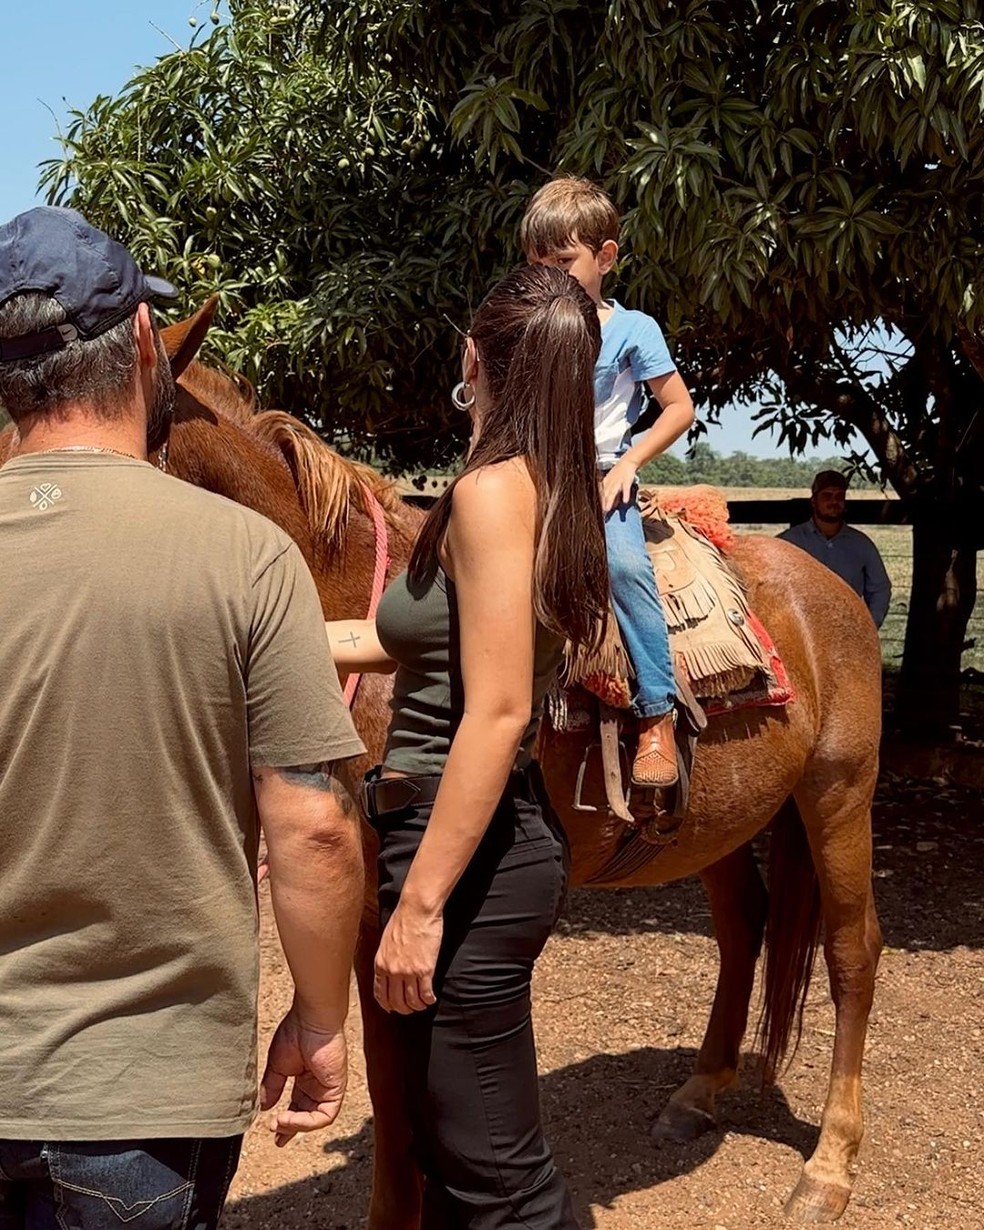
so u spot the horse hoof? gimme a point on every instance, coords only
(678, 1124)
(813, 1201)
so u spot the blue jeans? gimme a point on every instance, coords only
(639, 611)
(175, 1184)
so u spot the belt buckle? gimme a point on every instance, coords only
(407, 785)
(364, 799)
(372, 783)
(369, 780)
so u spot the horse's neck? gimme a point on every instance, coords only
(222, 457)
(365, 543)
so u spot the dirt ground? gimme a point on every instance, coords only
(621, 998)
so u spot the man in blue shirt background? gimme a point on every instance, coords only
(845, 550)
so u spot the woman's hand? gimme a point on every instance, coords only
(616, 486)
(406, 960)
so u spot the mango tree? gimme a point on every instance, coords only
(796, 179)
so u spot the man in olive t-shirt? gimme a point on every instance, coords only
(166, 685)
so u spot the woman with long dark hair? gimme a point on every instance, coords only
(472, 865)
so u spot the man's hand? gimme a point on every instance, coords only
(318, 1062)
(616, 486)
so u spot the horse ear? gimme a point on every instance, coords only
(181, 341)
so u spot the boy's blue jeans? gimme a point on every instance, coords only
(176, 1184)
(638, 611)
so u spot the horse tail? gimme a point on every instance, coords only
(792, 936)
(326, 482)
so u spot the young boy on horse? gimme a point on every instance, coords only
(571, 224)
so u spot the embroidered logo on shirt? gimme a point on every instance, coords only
(44, 495)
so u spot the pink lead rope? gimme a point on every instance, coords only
(378, 575)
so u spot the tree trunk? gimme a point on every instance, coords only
(944, 590)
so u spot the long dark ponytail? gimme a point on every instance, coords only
(537, 336)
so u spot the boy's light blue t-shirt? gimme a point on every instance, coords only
(633, 350)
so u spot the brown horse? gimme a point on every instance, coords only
(808, 770)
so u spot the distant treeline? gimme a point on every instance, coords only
(703, 465)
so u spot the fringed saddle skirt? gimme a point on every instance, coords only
(719, 647)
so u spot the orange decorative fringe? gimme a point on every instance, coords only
(703, 507)
(721, 648)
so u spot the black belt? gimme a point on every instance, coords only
(381, 795)
(384, 794)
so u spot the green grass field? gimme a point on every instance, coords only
(895, 544)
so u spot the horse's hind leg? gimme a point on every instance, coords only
(836, 809)
(739, 904)
(396, 1187)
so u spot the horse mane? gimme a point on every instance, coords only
(224, 391)
(326, 482)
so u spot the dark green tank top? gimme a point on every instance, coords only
(419, 631)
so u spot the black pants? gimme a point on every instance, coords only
(470, 1060)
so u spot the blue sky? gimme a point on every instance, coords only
(58, 55)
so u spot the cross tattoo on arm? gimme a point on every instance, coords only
(351, 639)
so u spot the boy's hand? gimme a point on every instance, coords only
(617, 485)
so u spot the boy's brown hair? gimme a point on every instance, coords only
(566, 209)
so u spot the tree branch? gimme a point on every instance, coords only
(850, 401)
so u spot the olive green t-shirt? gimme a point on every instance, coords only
(154, 641)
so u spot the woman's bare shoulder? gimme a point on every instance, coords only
(494, 508)
(489, 487)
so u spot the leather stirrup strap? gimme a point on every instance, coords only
(611, 761)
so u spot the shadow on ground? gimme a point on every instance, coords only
(609, 1155)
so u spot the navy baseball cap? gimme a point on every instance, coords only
(829, 478)
(95, 279)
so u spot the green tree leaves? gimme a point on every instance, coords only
(350, 178)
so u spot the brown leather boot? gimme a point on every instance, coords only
(655, 763)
